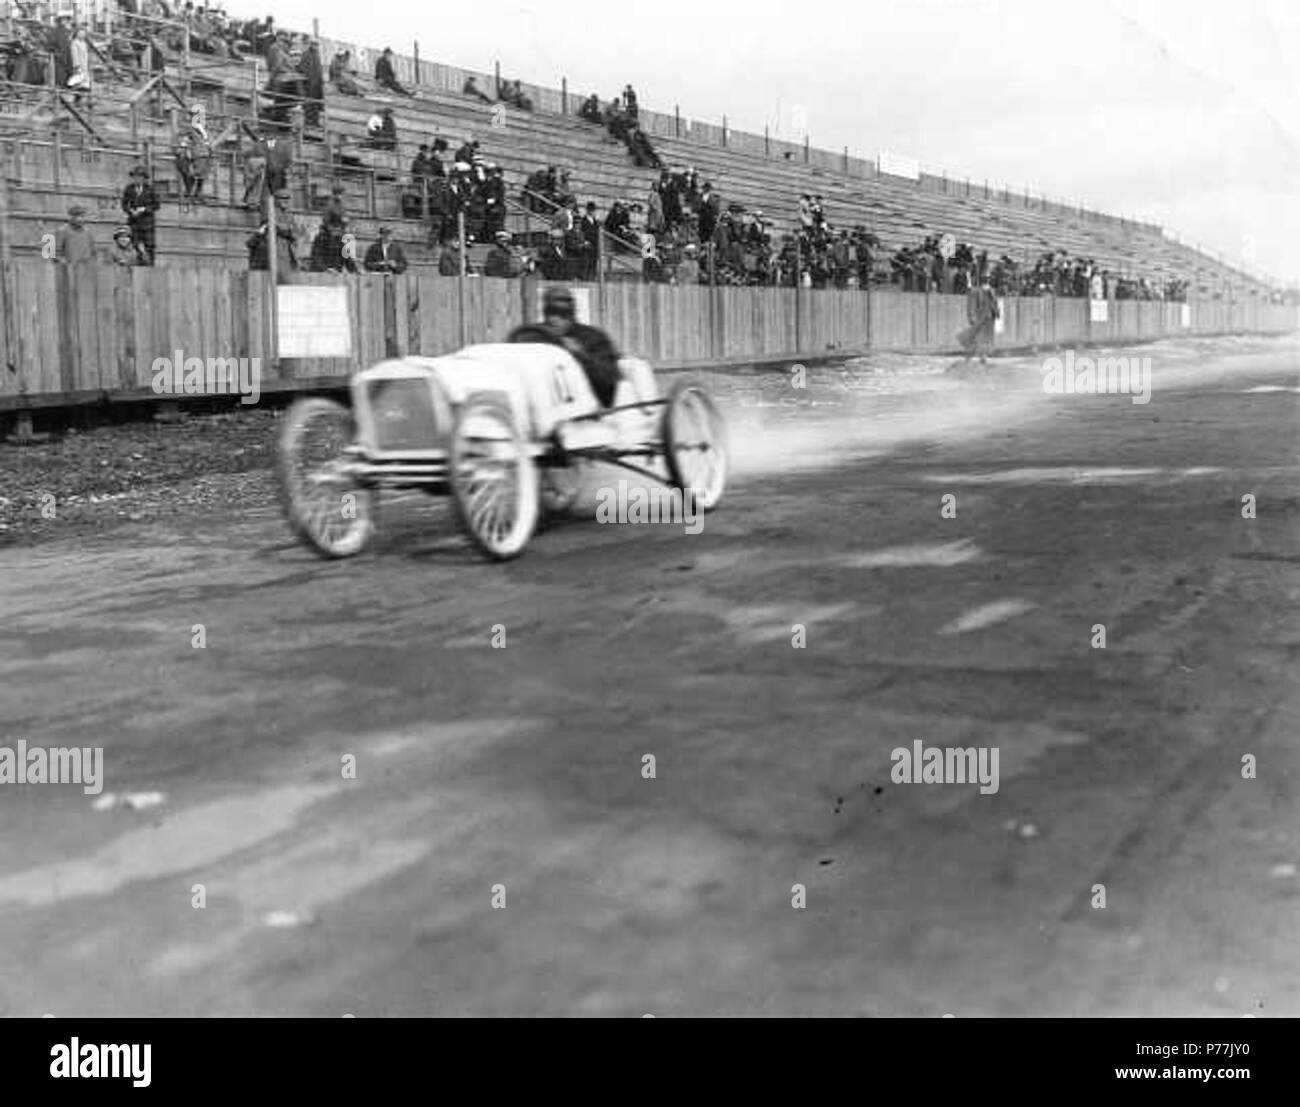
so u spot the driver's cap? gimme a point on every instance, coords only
(558, 301)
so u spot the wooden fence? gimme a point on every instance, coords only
(86, 333)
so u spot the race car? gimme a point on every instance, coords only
(502, 428)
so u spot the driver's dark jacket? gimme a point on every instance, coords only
(592, 349)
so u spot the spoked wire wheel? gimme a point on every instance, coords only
(327, 509)
(494, 480)
(695, 444)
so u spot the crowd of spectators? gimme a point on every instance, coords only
(682, 232)
(139, 36)
(928, 268)
(621, 118)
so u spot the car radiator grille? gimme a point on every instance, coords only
(403, 415)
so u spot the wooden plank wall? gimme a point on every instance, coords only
(82, 333)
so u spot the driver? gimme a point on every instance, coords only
(590, 346)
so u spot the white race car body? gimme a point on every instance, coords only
(405, 407)
(495, 426)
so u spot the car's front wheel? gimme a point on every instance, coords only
(327, 509)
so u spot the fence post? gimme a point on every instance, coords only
(677, 120)
(460, 278)
(871, 319)
(798, 298)
(564, 95)
(724, 130)
(272, 270)
(497, 76)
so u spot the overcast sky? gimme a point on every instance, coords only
(1183, 113)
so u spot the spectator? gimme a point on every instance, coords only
(512, 92)
(502, 261)
(449, 260)
(440, 207)
(385, 256)
(254, 174)
(327, 251)
(284, 84)
(618, 225)
(554, 262)
(313, 84)
(342, 76)
(654, 219)
(542, 191)
(630, 104)
(60, 46)
(470, 88)
(386, 76)
(420, 169)
(589, 228)
(381, 130)
(79, 80)
(193, 155)
(122, 252)
(565, 218)
(688, 269)
(652, 268)
(643, 153)
(590, 109)
(286, 253)
(710, 206)
(614, 119)
(328, 254)
(74, 244)
(494, 201)
(279, 160)
(140, 202)
(335, 216)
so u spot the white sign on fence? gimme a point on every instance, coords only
(1000, 323)
(1187, 315)
(313, 321)
(1097, 311)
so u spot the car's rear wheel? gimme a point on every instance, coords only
(695, 444)
(494, 480)
(327, 509)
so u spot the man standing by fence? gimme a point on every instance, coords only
(981, 313)
(139, 202)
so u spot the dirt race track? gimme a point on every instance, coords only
(523, 766)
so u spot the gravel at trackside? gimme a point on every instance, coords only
(86, 481)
